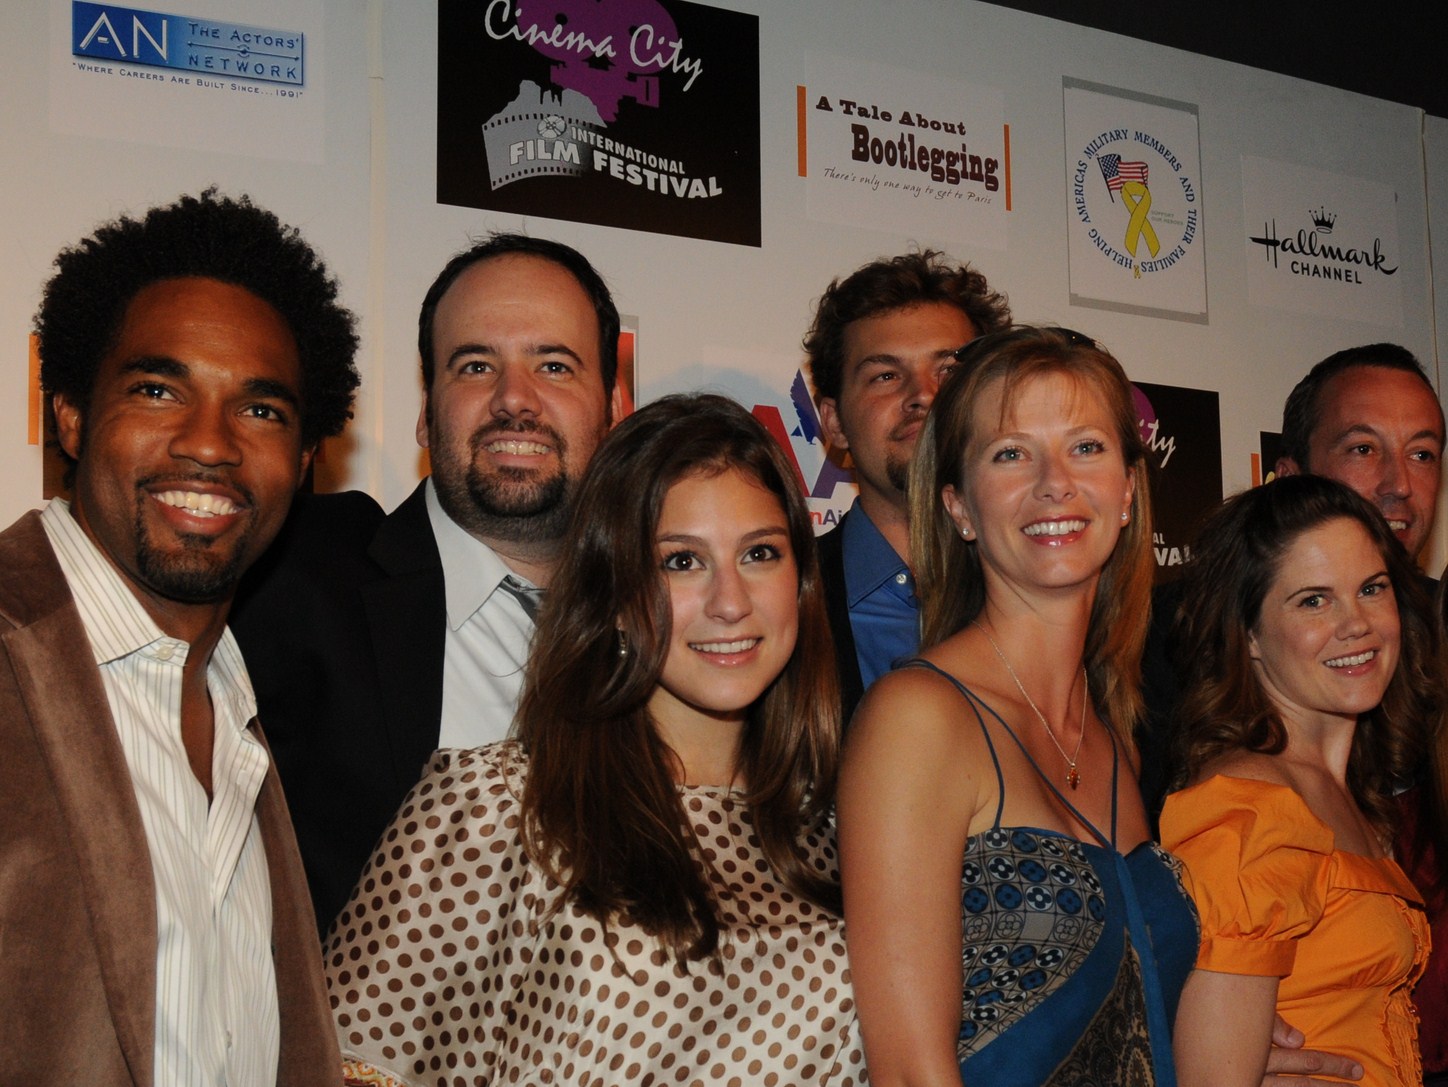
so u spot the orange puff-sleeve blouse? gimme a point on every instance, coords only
(1346, 934)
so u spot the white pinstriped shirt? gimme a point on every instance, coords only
(216, 990)
(487, 638)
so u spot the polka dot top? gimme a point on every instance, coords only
(450, 965)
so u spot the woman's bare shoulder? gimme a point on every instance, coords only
(1253, 765)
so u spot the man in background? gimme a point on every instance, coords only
(375, 640)
(882, 340)
(1368, 418)
(153, 911)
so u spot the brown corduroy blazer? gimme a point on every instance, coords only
(77, 895)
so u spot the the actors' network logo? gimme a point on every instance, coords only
(1312, 257)
(203, 47)
(1140, 226)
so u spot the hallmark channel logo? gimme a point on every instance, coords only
(202, 47)
(1311, 257)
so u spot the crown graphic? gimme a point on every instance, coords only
(1322, 219)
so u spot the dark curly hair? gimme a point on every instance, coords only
(1303, 409)
(215, 237)
(892, 283)
(502, 245)
(1225, 707)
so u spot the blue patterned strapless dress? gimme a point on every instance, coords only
(1074, 954)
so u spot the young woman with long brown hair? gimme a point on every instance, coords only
(1313, 682)
(641, 887)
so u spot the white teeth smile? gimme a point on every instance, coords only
(724, 648)
(208, 505)
(1054, 528)
(517, 447)
(1398, 526)
(1355, 659)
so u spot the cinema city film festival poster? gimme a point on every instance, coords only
(903, 152)
(1134, 203)
(241, 77)
(1183, 434)
(1321, 243)
(642, 114)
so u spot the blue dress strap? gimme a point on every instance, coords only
(978, 704)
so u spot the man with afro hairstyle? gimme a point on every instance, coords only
(882, 340)
(154, 920)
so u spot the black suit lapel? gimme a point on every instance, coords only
(407, 614)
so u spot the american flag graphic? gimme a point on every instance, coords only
(1118, 173)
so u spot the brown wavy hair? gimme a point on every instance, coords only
(951, 584)
(889, 284)
(601, 809)
(1225, 708)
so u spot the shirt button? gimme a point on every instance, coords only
(900, 579)
(165, 651)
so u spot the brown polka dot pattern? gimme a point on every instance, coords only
(450, 966)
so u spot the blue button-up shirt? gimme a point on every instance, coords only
(884, 612)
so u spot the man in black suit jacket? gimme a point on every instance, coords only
(882, 340)
(375, 640)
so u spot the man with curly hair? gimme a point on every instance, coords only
(376, 639)
(154, 922)
(882, 340)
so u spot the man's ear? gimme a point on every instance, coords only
(1287, 466)
(618, 404)
(67, 424)
(422, 423)
(830, 422)
(307, 454)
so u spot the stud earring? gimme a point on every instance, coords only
(622, 645)
(1125, 516)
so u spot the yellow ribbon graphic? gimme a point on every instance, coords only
(1137, 198)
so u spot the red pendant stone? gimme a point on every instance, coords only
(1073, 779)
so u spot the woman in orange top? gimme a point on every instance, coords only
(1312, 686)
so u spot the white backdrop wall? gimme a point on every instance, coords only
(713, 314)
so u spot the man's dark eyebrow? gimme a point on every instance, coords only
(466, 349)
(157, 365)
(557, 349)
(267, 389)
(1355, 430)
(880, 358)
